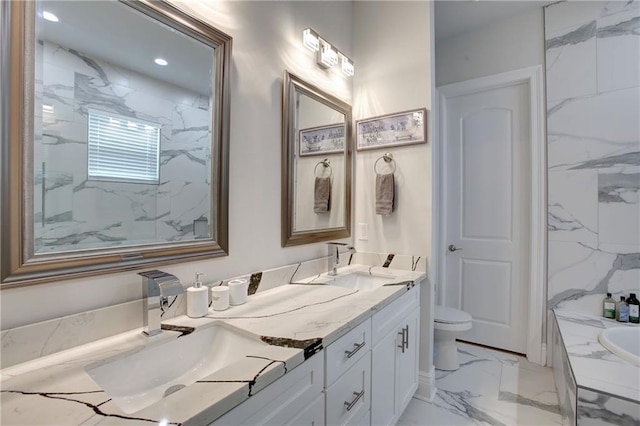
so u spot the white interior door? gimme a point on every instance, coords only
(487, 212)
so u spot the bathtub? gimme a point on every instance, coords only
(622, 341)
(596, 385)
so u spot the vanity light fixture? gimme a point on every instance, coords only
(161, 62)
(327, 55)
(49, 16)
(311, 40)
(347, 66)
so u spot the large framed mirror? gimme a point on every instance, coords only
(115, 136)
(316, 164)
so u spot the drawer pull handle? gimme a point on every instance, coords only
(406, 331)
(405, 338)
(356, 348)
(402, 344)
(356, 397)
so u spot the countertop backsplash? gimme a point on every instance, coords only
(36, 340)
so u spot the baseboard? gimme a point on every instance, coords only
(426, 386)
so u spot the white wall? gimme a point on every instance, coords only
(510, 44)
(393, 50)
(393, 74)
(266, 41)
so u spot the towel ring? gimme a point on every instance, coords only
(326, 163)
(388, 158)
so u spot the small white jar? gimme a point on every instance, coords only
(238, 291)
(219, 298)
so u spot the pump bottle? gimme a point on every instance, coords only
(634, 308)
(197, 299)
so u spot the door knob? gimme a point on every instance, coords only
(453, 248)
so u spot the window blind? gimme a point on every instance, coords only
(123, 150)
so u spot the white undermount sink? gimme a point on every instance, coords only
(141, 378)
(363, 279)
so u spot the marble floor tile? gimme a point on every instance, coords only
(490, 388)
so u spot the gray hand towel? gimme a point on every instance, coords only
(322, 195)
(385, 194)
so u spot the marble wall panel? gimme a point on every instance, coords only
(580, 274)
(618, 46)
(573, 206)
(119, 213)
(593, 80)
(571, 59)
(619, 206)
(594, 132)
(563, 378)
(595, 408)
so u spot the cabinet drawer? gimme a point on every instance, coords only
(346, 351)
(389, 317)
(349, 399)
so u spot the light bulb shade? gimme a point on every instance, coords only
(327, 57)
(50, 16)
(347, 66)
(311, 40)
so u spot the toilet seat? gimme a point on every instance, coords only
(458, 327)
(446, 315)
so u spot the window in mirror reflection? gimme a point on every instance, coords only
(122, 150)
(96, 58)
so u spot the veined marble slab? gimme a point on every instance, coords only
(594, 367)
(296, 320)
(593, 103)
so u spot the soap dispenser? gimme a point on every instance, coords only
(197, 299)
(622, 310)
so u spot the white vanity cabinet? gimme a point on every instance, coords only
(365, 377)
(394, 360)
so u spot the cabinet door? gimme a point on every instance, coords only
(383, 380)
(407, 363)
(313, 415)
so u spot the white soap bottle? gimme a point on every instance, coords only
(197, 299)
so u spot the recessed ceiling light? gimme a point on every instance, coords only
(161, 61)
(49, 16)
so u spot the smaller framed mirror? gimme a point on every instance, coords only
(316, 164)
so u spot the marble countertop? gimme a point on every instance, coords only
(296, 320)
(593, 366)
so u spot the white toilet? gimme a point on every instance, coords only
(449, 323)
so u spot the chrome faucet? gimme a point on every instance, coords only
(157, 286)
(334, 256)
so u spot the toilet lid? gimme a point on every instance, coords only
(450, 315)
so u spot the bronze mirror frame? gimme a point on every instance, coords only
(292, 85)
(18, 264)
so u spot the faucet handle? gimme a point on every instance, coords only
(164, 303)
